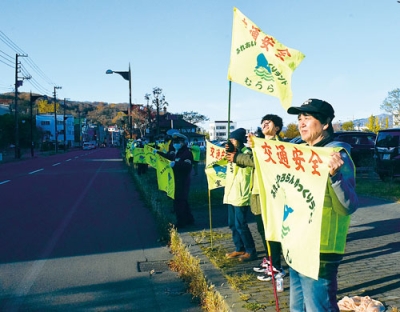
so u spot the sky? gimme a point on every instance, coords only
(351, 47)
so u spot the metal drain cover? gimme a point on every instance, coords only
(155, 266)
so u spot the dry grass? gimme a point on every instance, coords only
(189, 270)
(389, 190)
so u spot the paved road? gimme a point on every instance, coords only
(75, 236)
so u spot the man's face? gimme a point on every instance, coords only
(234, 142)
(268, 128)
(311, 129)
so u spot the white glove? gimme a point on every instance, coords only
(172, 164)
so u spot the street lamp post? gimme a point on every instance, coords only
(32, 99)
(55, 119)
(127, 76)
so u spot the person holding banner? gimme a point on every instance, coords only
(237, 197)
(315, 126)
(271, 126)
(181, 162)
(141, 167)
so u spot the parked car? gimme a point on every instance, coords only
(86, 146)
(362, 146)
(387, 153)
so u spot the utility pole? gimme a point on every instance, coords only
(55, 119)
(65, 129)
(17, 83)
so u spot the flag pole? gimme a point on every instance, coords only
(270, 267)
(229, 109)
(209, 214)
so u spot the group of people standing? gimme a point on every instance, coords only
(242, 197)
(340, 201)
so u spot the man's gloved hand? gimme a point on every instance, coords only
(229, 147)
(230, 156)
(172, 164)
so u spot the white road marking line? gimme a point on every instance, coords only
(56, 164)
(5, 181)
(32, 172)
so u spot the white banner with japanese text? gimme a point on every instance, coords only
(292, 180)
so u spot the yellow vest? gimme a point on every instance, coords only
(334, 227)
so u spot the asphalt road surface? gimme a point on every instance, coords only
(73, 233)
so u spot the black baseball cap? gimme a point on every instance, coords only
(313, 106)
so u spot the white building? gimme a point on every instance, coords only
(219, 130)
(46, 123)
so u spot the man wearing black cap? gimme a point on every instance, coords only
(237, 197)
(315, 127)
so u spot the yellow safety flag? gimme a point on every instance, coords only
(292, 181)
(216, 164)
(139, 156)
(260, 62)
(165, 176)
(150, 156)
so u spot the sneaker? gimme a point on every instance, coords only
(247, 257)
(234, 254)
(263, 266)
(266, 277)
(276, 272)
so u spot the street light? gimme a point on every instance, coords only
(55, 119)
(32, 99)
(127, 76)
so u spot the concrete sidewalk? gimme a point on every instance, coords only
(371, 266)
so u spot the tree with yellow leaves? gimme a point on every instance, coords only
(44, 107)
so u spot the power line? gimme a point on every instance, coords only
(7, 59)
(24, 65)
(10, 44)
(37, 70)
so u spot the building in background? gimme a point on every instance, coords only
(46, 124)
(219, 130)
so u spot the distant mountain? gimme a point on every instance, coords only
(362, 122)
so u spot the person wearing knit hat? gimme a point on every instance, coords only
(315, 126)
(237, 197)
(239, 135)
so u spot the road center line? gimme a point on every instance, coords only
(56, 164)
(32, 172)
(5, 181)
(68, 159)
